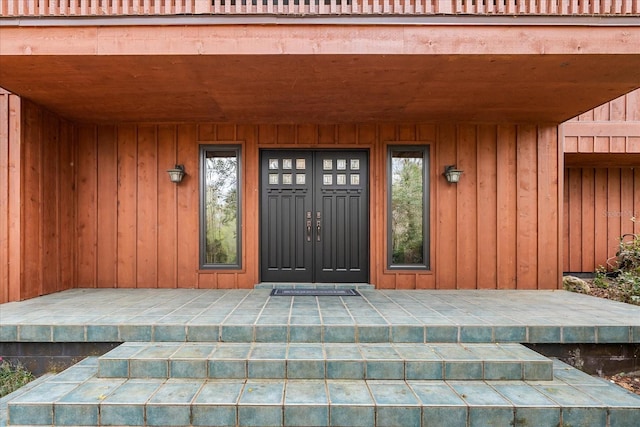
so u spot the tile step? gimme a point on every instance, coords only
(383, 361)
(78, 397)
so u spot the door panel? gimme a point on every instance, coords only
(314, 217)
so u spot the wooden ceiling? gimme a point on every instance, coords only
(166, 81)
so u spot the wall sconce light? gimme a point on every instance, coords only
(452, 174)
(176, 174)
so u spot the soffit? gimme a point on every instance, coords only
(271, 76)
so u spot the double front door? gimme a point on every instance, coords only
(314, 209)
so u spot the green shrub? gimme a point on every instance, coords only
(12, 377)
(625, 269)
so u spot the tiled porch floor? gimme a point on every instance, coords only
(119, 315)
(489, 386)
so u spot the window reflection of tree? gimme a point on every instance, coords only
(221, 207)
(407, 235)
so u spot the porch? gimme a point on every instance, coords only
(243, 357)
(246, 315)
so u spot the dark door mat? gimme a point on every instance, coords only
(315, 293)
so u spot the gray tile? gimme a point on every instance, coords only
(510, 333)
(30, 414)
(237, 333)
(339, 333)
(373, 333)
(170, 405)
(407, 333)
(578, 334)
(260, 415)
(470, 334)
(102, 333)
(72, 414)
(305, 333)
(503, 370)
(188, 368)
(215, 405)
(35, 333)
(438, 334)
(125, 406)
(68, 333)
(8, 333)
(542, 417)
(113, 368)
(203, 333)
(169, 333)
(306, 404)
(462, 370)
(271, 333)
(424, 370)
(134, 332)
(148, 368)
(225, 368)
(544, 334)
(489, 416)
(613, 334)
(584, 416)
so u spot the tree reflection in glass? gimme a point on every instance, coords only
(221, 207)
(407, 216)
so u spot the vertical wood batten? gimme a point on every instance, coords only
(147, 208)
(527, 209)
(15, 195)
(445, 229)
(506, 199)
(127, 206)
(188, 198)
(548, 207)
(5, 241)
(107, 172)
(32, 228)
(86, 207)
(487, 217)
(467, 209)
(167, 209)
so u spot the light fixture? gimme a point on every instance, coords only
(176, 174)
(452, 174)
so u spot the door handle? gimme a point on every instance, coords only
(318, 225)
(308, 218)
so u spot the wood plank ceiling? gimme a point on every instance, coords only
(268, 75)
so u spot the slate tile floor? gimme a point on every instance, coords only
(108, 315)
(284, 358)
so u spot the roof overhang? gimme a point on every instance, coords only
(305, 73)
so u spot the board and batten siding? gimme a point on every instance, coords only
(37, 213)
(136, 229)
(602, 182)
(91, 206)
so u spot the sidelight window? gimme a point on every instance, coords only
(220, 207)
(408, 207)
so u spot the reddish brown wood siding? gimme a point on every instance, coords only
(599, 205)
(36, 186)
(136, 229)
(94, 206)
(602, 182)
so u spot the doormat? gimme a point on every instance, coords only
(315, 293)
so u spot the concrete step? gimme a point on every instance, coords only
(79, 397)
(382, 361)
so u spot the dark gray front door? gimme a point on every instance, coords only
(314, 216)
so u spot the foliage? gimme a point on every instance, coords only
(625, 270)
(12, 377)
(221, 208)
(406, 211)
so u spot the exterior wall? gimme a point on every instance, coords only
(92, 206)
(601, 182)
(37, 210)
(136, 229)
